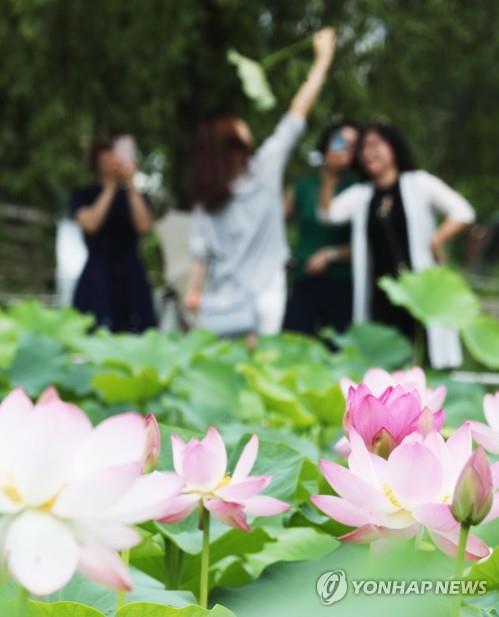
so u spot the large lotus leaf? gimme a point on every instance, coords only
(224, 542)
(40, 609)
(62, 609)
(41, 362)
(278, 399)
(9, 334)
(289, 349)
(480, 605)
(250, 408)
(481, 337)
(376, 344)
(119, 387)
(487, 570)
(291, 544)
(239, 558)
(132, 352)
(281, 461)
(434, 296)
(318, 391)
(253, 79)
(146, 589)
(225, 550)
(63, 324)
(290, 589)
(301, 443)
(207, 393)
(144, 609)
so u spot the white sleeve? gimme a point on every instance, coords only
(276, 149)
(342, 207)
(447, 201)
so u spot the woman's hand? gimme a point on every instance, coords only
(195, 283)
(437, 248)
(126, 172)
(319, 261)
(192, 300)
(324, 43)
(448, 230)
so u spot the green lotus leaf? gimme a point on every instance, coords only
(253, 79)
(434, 296)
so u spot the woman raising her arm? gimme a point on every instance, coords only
(394, 228)
(238, 244)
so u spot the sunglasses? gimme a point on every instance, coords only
(337, 143)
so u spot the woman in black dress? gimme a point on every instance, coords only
(113, 214)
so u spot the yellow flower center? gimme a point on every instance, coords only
(48, 505)
(211, 494)
(391, 497)
(13, 494)
(224, 481)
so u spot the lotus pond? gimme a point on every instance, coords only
(273, 482)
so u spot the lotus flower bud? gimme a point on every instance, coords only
(473, 494)
(153, 445)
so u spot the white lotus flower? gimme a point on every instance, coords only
(69, 492)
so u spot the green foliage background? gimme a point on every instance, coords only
(155, 67)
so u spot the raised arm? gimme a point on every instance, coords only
(92, 217)
(140, 212)
(324, 43)
(338, 209)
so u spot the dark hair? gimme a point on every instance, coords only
(404, 160)
(329, 131)
(218, 156)
(97, 147)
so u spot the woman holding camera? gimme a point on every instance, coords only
(322, 275)
(113, 214)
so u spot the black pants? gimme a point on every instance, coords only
(317, 302)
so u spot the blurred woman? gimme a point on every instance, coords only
(113, 214)
(394, 229)
(322, 276)
(237, 280)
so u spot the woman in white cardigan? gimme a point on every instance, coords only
(394, 227)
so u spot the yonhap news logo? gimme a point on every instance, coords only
(333, 586)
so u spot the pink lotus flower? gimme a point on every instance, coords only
(202, 468)
(487, 435)
(378, 380)
(69, 492)
(384, 421)
(411, 490)
(153, 444)
(473, 495)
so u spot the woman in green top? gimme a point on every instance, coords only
(322, 292)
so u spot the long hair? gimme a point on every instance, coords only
(404, 159)
(219, 156)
